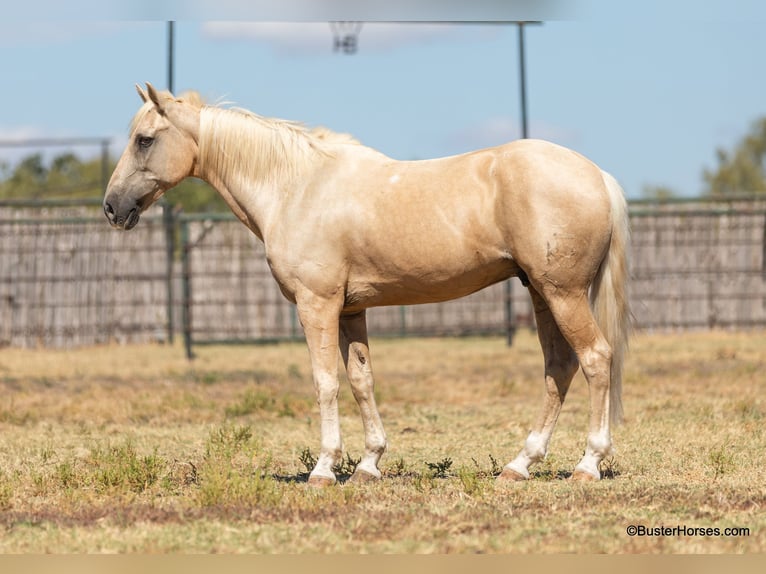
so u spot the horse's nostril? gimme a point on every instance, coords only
(132, 219)
(108, 210)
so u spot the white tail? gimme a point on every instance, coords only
(609, 293)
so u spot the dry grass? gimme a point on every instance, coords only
(133, 449)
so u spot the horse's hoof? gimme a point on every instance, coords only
(510, 475)
(362, 476)
(582, 476)
(321, 481)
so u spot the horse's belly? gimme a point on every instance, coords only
(428, 286)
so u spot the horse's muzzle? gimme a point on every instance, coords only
(122, 220)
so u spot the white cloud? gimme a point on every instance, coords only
(53, 32)
(306, 38)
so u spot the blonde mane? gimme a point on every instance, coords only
(234, 140)
(260, 149)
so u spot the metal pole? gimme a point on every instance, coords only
(186, 305)
(171, 26)
(169, 223)
(510, 326)
(523, 82)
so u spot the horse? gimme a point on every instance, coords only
(346, 228)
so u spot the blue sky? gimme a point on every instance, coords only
(647, 92)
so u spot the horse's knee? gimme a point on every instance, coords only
(326, 389)
(596, 362)
(361, 381)
(361, 384)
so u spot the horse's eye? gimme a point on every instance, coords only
(145, 141)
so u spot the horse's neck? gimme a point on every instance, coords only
(250, 168)
(254, 210)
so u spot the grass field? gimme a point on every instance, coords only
(134, 449)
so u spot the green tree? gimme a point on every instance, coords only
(742, 170)
(659, 192)
(69, 177)
(67, 174)
(30, 171)
(195, 196)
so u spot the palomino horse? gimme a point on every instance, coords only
(346, 228)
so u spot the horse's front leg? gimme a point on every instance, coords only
(354, 348)
(319, 317)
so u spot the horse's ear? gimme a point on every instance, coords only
(154, 96)
(144, 96)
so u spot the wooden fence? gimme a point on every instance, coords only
(67, 279)
(699, 265)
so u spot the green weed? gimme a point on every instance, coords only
(260, 402)
(66, 475)
(6, 492)
(251, 402)
(398, 468)
(424, 482)
(471, 480)
(441, 468)
(346, 466)
(307, 459)
(294, 372)
(609, 468)
(748, 411)
(495, 467)
(15, 416)
(121, 466)
(234, 471)
(721, 460)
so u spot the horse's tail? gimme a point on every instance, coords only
(609, 293)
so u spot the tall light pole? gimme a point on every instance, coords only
(171, 26)
(510, 326)
(523, 80)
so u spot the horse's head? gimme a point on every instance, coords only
(162, 151)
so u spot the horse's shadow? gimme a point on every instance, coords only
(303, 478)
(539, 476)
(561, 474)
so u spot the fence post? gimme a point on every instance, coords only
(510, 327)
(186, 302)
(293, 322)
(168, 221)
(763, 258)
(763, 251)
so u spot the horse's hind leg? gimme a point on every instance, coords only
(572, 313)
(355, 351)
(560, 366)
